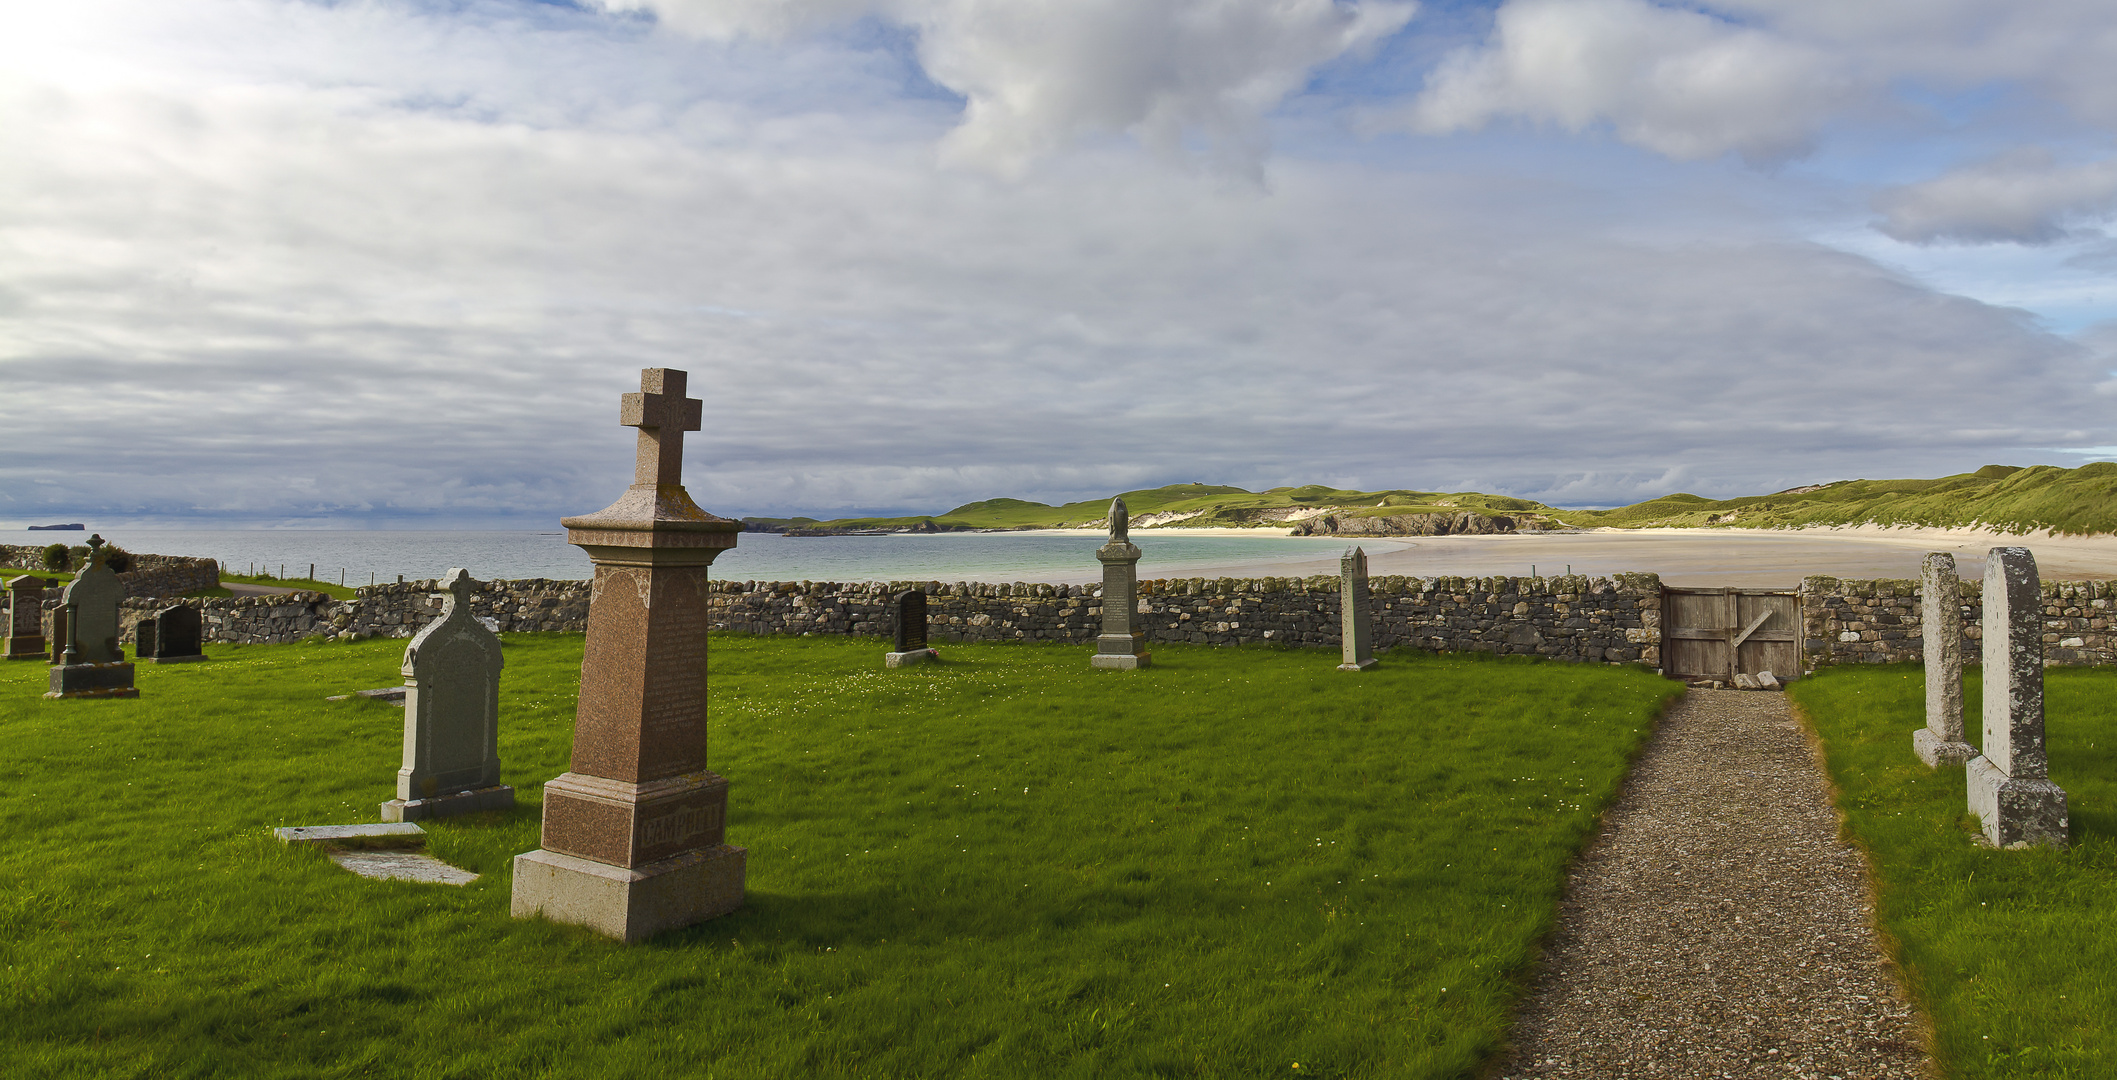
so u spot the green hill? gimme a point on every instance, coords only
(1200, 506)
(2002, 497)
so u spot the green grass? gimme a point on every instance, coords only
(1006, 865)
(2012, 953)
(328, 588)
(2082, 500)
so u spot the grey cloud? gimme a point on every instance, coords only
(2023, 197)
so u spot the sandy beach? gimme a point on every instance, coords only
(1758, 558)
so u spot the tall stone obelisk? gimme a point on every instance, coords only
(635, 833)
(1123, 645)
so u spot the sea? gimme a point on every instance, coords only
(362, 557)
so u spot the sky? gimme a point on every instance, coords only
(385, 263)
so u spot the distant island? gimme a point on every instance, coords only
(2003, 498)
(75, 527)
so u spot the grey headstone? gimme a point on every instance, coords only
(1123, 644)
(25, 618)
(91, 662)
(1941, 626)
(451, 715)
(2009, 784)
(170, 636)
(908, 623)
(1356, 625)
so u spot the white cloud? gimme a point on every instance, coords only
(2023, 197)
(1041, 75)
(1678, 82)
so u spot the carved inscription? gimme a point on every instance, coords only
(679, 827)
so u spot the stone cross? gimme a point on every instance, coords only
(173, 635)
(2009, 784)
(908, 609)
(1123, 644)
(92, 663)
(1356, 624)
(25, 624)
(662, 414)
(451, 715)
(1941, 608)
(635, 832)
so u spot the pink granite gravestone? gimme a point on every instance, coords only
(634, 834)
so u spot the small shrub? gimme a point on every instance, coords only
(56, 558)
(117, 559)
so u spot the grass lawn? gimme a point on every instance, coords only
(2013, 953)
(1007, 865)
(328, 588)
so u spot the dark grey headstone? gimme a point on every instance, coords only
(909, 615)
(172, 635)
(1356, 622)
(25, 618)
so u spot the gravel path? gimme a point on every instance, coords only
(1718, 927)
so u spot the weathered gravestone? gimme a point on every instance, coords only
(25, 618)
(1123, 645)
(908, 617)
(451, 715)
(1941, 625)
(2010, 787)
(91, 662)
(1356, 623)
(634, 835)
(173, 635)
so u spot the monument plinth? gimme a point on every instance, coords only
(1123, 645)
(634, 834)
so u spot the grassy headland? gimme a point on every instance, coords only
(2000, 497)
(2011, 953)
(1005, 865)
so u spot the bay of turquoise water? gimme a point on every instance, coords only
(359, 556)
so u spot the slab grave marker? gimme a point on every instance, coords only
(1123, 644)
(634, 836)
(25, 618)
(91, 662)
(451, 715)
(1940, 742)
(908, 622)
(1356, 623)
(173, 635)
(2010, 786)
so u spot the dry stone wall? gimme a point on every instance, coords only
(1877, 621)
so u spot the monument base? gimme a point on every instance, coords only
(2016, 813)
(92, 681)
(629, 904)
(907, 659)
(497, 797)
(1128, 662)
(1936, 752)
(1360, 665)
(26, 648)
(1121, 652)
(192, 659)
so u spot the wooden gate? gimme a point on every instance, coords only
(1720, 632)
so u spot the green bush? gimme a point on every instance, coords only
(117, 559)
(56, 558)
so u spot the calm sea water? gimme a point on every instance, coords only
(361, 556)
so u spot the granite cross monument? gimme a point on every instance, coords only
(635, 833)
(451, 715)
(2010, 786)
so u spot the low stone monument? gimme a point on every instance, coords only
(451, 715)
(91, 662)
(908, 618)
(2010, 788)
(634, 835)
(1356, 624)
(1123, 645)
(1941, 625)
(25, 618)
(173, 635)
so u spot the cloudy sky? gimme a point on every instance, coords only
(391, 263)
